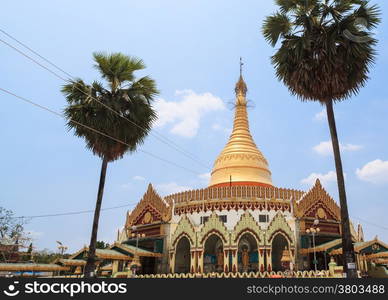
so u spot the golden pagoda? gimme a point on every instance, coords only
(241, 222)
(241, 162)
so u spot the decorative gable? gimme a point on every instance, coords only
(246, 224)
(213, 226)
(150, 209)
(184, 228)
(317, 204)
(279, 225)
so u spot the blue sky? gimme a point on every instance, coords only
(192, 49)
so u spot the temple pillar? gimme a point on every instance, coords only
(298, 257)
(294, 266)
(226, 261)
(172, 262)
(269, 259)
(361, 262)
(261, 252)
(115, 266)
(234, 253)
(193, 258)
(200, 261)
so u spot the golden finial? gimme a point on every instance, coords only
(241, 65)
(241, 87)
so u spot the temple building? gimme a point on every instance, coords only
(240, 222)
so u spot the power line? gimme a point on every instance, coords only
(95, 130)
(156, 134)
(72, 213)
(36, 53)
(370, 223)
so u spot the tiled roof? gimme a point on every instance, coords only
(322, 247)
(104, 254)
(378, 255)
(32, 267)
(359, 246)
(136, 251)
(72, 262)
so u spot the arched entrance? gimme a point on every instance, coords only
(279, 243)
(182, 256)
(213, 260)
(247, 253)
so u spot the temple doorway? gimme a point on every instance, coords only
(182, 256)
(279, 243)
(148, 265)
(213, 260)
(247, 253)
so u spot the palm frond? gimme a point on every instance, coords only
(286, 5)
(368, 16)
(327, 54)
(130, 116)
(117, 68)
(276, 26)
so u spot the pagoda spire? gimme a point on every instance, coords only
(241, 162)
(241, 88)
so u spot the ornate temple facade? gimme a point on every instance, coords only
(241, 222)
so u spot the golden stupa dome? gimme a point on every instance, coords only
(241, 162)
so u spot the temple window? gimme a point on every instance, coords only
(204, 219)
(263, 218)
(223, 218)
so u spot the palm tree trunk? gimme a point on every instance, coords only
(90, 263)
(347, 244)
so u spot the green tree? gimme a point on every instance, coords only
(326, 51)
(12, 235)
(123, 93)
(47, 256)
(102, 245)
(29, 251)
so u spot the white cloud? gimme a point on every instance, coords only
(126, 186)
(34, 235)
(325, 179)
(171, 188)
(185, 116)
(138, 178)
(218, 127)
(205, 177)
(375, 172)
(326, 148)
(129, 185)
(351, 147)
(321, 116)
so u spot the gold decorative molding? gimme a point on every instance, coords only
(315, 199)
(231, 204)
(151, 208)
(241, 192)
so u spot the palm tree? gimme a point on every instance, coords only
(326, 50)
(125, 114)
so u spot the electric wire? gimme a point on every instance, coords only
(155, 134)
(95, 130)
(73, 213)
